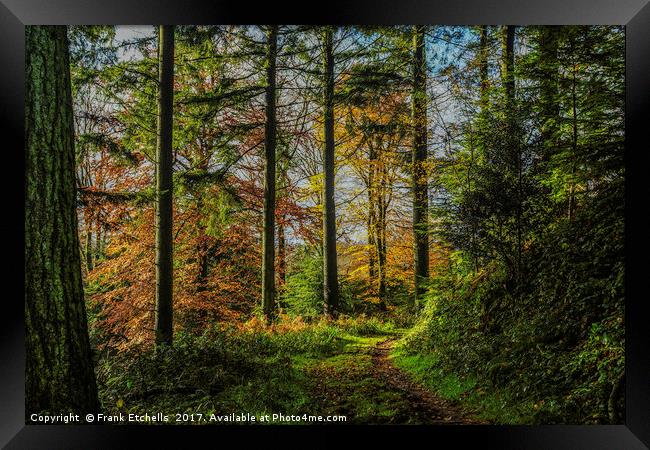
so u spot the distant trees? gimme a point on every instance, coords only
(59, 369)
(164, 187)
(495, 205)
(524, 150)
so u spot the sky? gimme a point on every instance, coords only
(130, 32)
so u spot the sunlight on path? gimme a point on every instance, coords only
(362, 383)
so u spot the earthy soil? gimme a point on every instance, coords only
(432, 409)
(365, 386)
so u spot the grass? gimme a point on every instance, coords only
(494, 406)
(256, 370)
(346, 384)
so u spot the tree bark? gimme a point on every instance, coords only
(330, 276)
(282, 254)
(164, 188)
(508, 63)
(202, 249)
(419, 156)
(381, 236)
(282, 237)
(483, 67)
(59, 369)
(268, 239)
(88, 248)
(549, 88)
(372, 215)
(508, 81)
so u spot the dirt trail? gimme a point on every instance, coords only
(362, 383)
(424, 403)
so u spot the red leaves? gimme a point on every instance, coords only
(126, 279)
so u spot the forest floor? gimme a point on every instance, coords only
(356, 371)
(362, 383)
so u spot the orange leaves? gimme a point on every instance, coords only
(122, 286)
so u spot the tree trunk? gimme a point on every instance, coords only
(574, 143)
(202, 249)
(88, 248)
(508, 64)
(164, 188)
(549, 88)
(508, 80)
(268, 240)
(282, 238)
(483, 67)
(59, 376)
(381, 237)
(372, 217)
(282, 254)
(98, 243)
(419, 156)
(330, 276)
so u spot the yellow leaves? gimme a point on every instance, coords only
(430, 166)
(283, 324)
(316, 182)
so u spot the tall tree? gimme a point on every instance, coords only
(419, 156)
(549, 87)
(380, 227)
(282, 240)
(574, 132)
(484, 67)
(268, 240)
(164, 187)
(283, 189)
(330, 276)
(59, 368)
(372, 213)
(513, 145)
(508, 63)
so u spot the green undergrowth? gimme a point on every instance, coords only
(490, 406)
(347, 385)
(548, 350)
(234, 371)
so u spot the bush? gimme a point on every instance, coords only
(552, 349)
(365, 326)
(303, 292)
(225, 370)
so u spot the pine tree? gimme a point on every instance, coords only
(164, 188)
(419, 156)
(268, 240)
(59, 368)
(330, 276)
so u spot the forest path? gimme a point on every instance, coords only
(362, 383)
(425, 403)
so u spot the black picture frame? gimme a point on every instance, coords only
(634, 14)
